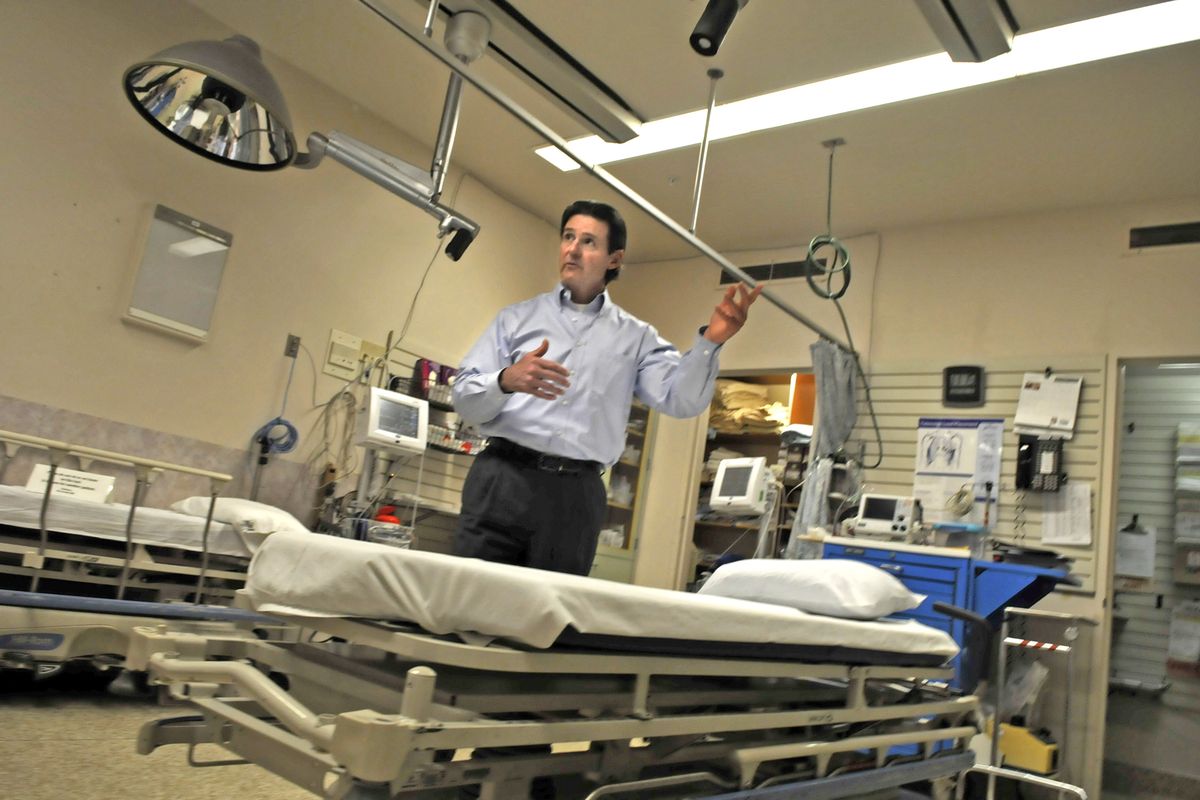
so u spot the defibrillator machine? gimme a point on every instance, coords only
(887, 515)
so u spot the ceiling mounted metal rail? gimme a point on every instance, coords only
(540, 128)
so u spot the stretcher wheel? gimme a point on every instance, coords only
(368, 791)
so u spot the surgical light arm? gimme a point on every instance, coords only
(398, 177)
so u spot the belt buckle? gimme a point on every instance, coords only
(550, 463)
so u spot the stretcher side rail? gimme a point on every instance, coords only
(144, 469)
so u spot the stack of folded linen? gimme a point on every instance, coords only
(744, 408)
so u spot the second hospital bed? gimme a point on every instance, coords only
(423, 672)
(77, 575)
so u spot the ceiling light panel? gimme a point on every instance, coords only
(1126, 32)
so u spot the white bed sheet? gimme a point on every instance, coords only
(22, 508)
(326, 576)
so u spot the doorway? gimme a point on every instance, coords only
(1152, 724)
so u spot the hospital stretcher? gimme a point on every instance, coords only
(128, 551)
(424, 672)
(54, 546)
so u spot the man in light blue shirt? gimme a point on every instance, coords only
(550, 383)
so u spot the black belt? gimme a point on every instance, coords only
(511, 451)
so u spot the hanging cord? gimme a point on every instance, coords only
(840, 265)
(1019, 521)
(413, 306)
(270, 436)
(346, 454)
(866, 385)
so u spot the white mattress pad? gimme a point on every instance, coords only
(153, 526)
(326, 576)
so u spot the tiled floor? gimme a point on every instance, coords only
(65, 740)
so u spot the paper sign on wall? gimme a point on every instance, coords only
(1183, 649)
(954, 454)
(1135, 552)
(1047, 405)
(1067, 516)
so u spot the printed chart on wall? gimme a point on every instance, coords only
(956, 460)
(1183, 647)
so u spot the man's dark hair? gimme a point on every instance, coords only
(606, 214)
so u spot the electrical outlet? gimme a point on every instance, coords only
(341, 359)
(292, 348)
(369, 351)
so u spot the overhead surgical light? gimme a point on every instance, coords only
(714, 23)
(219, 100)
(1146, 28)
(216, 99)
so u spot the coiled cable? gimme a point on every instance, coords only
(279, 435)
(840, 264)
(961, 502)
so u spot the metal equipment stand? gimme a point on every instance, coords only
(1070, 633)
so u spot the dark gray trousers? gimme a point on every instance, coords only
(514, 512)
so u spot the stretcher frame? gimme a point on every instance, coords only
(90, 563)
(375, 712)
(44, 638)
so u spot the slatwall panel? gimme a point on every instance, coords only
(1155, 402)
(441, 477)
(903, 395)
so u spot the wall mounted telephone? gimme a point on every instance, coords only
(1039, 464)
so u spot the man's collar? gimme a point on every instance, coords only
(597, 304)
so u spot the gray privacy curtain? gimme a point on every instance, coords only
(813, 510)
(836, 375)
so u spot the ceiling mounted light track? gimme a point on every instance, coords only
(535, 57)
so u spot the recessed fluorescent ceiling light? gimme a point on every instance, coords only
(1179, 366)
(196, 246)
(1114, 35)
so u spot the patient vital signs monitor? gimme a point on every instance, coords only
(393, 421)
(887, 515)
(741, 486)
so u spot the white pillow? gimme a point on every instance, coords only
(246, 515)
(833, 587)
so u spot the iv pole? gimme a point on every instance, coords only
(540, 128)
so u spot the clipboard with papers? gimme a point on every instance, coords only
(1048, 405)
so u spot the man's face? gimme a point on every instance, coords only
(583, 257)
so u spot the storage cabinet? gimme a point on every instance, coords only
(625, 482)
(950, 575)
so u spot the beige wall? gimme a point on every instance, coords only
(312, 250)
(1040, 284)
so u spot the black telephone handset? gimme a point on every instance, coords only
(1039, 464)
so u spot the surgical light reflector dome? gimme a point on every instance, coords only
(218, 99)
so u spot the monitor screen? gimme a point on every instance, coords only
(735, 482)
(393, 422)
(878, 507)
(399, 419)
